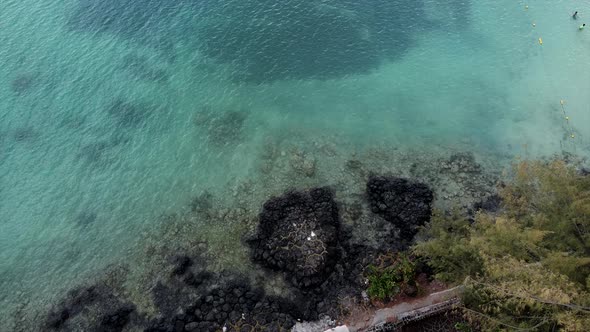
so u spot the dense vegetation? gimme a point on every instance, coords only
(391, 274)
(526, 267)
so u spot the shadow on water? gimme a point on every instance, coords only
(149, 22)
(454, 14)
(23, 83)
(269, 40)
(140, 68)
(129, 114)
(310, 39)
(85, 218)
(127, 17)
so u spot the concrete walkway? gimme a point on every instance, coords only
(407, 311)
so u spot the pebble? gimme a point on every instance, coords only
(191, 326)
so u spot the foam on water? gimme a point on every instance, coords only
(102, 132)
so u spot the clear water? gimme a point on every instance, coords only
(114, 114)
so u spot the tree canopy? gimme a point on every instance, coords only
(526, 267)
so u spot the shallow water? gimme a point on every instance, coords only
(114, 115)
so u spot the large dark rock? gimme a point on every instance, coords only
(298, 234)
(234, 304)
(406, 204)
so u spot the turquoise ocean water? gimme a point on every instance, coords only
(115, 113)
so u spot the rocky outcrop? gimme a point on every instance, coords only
(298, 234)
(231, 304)
(405, 204)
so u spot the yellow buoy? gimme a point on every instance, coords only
(526, 7)
(561, 101)
(540, 41)
(567, 118)
(573, 136)
(534, 25)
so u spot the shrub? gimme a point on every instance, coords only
(390, 276)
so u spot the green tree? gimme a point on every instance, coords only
(528, 267)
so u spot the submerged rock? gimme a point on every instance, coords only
(230, 303)
(303, 163)
(72, 305)
(405, 204)
(128, 114)
(23, 83)
(492, 203)
(298, 234)
(115, 320)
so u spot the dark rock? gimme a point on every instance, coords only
(406, 204)
(194, 326)
(298, 234)
(56, 319)
(181, 264)
(167, 299)
(411, 290)
(491, 203)
(75, 301)
(179, 326)
(116, 320)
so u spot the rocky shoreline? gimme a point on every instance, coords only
(264, 264)
(300, 237)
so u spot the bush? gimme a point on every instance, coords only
(390, 276)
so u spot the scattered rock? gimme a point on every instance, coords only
(461, 163)
(303, 164)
